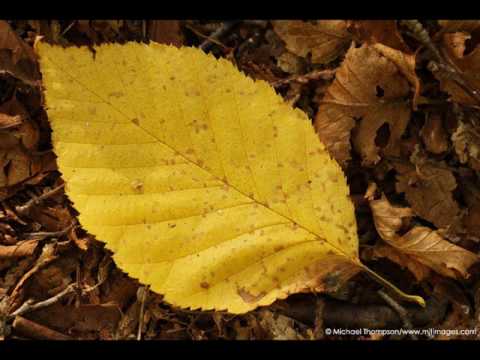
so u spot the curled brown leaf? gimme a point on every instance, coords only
(388, 219)
(420, 243)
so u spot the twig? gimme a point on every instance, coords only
(314, 75)
(453, 74)
(400, 310)
(198, 33)
(46, 257)
(33, 330)
(418, 32)
(343, 314)
(24, 209)
(226, 27)
(142, 308)
(68, 28)
(45, 234)
(29, 306)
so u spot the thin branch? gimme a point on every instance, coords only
(418, 32)
(199, 34)
(226, 27)
(303, 79)
(33, 330)
(29, 306)
(400, 310)
(142, 309)
(24, 209)
(45, 234)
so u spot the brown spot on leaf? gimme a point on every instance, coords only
(137, 185)
(248, 297)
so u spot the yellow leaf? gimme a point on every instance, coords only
(202, 182)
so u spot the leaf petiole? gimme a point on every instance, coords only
(411, 298)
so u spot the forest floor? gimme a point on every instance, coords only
(58, 282)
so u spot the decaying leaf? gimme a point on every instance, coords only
(428, 189)
(466, 141)
(16, 161)
(16, 57)
(467, 65)
(459, 25)
(421, 243)
(7, 121)
(434, 135)
(290, 63)
(165, 149)
(325, 40)
(368, 86)
(279, 327)
(419, 270)
(379, 32)
(20, 249)
(405, 63)
(388, 218)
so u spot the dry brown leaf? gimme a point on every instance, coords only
(166, 32)
(11, 41)
(405, 64)
(8, 122)
(325, 40)
(84, 319)
(370, 87)
(27, 133)
(16, 57)
(53, 219)
(466, 141)
(434, 135)
(380, 31)
(15, 166)
(20, 249)
(430, 248)
(290, 63)
(468, 66)
(421, 243)
(429, 192)
(16, 162)
(459, 25)
(279, 327)
(418, 270)
(387, 218)
(81, 243)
